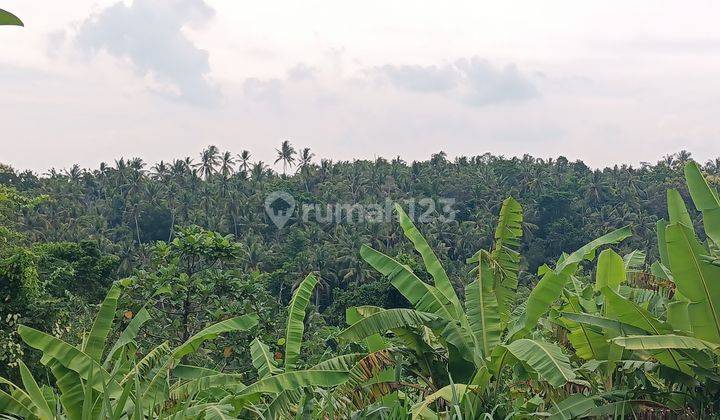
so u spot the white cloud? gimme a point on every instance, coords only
(301, 71)
(358, 79)
(150, 34)
(473, 81)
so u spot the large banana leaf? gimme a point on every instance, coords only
(17, 395)
(71, 358)
(432, 264)
(572, 407)
(192, 372)
(588, 341)
(665, 341)
(95, 343)
(262, 360)
(660, 228)
(297, 379)
(545, 359)
(602, 322)
(296, 321)
(7, 18)
(610, 270)
(239, 323)
(677, 315)
(677, 211)
(41, 408)
(450, 393)
(506, 255)
(630, 313)
(208, 411)
(227, 381)
(381, 322)
(705, 199)
(354, 314)
(423, 296)
(342, 362)
(482, 309)
(697, 280)
(283, 404)
(541, 298)
(587, 251)
(71, 388)
(11, 405)
(391, 319)
(551, 285)
(635, 260)
(129, 333)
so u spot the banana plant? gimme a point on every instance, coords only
(681, 335)
(121, 385)
(345, 385)
(478, 339)
(281, 390)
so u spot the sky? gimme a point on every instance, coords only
(88, 81)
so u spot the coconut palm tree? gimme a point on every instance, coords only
(304, 165)
(244, 160)
(227, 165)
(208, 161)
(286, 153)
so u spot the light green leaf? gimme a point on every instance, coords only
(602, 322)
(587, 251)
(297, 379)
(262, 360)
(70, 358)
(239, 323)
(296, 321)
(482, 309)
(228, 381)
(635, 260)
(551, 285)
(610, 270)
(129, 333)
(572, 407)
(381, 322)
(705, 200)
(505, 253)
(697, 280)
(95, 343)
(432, 264)
(33, 391)
(663, 342)
(449, 393)
(543, 358)
(677, 211)
(424, 297)
(660, 228)
(10, 405)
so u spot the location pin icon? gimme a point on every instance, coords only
(279, 206)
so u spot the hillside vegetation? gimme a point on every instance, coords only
(555, 290)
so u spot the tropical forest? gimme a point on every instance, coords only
(165, 290)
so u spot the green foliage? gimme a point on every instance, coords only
(196, 329)
(7, 18)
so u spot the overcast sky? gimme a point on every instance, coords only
(606, 82)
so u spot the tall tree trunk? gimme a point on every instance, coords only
(172, 226)
(137, 228)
